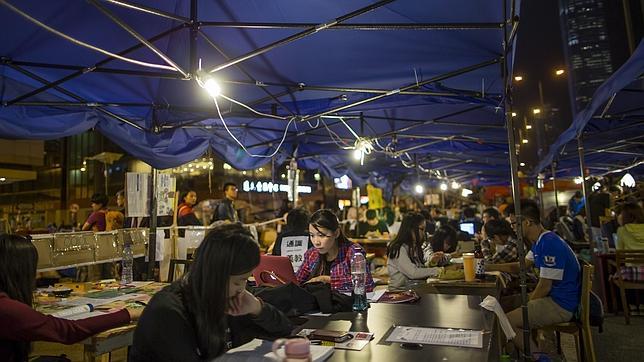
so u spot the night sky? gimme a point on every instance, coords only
(539, 54)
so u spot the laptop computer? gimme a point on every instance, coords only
(467, 227)
(274, 270)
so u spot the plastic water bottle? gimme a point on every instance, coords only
(127, 262)
(358, 277)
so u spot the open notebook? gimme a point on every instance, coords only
(259, 350)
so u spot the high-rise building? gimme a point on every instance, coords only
(598, 38)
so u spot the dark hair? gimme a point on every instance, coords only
(509, 210)
(226, 251)
(99, 198)
(297, 220)
(371, 214)
(120, 193)
(408, 230)
(442, 234)
(184, 194)
(325, 218)
(498, 227)
(427, 215)
(229, 184)
(469, 213)
(632, 214)
(578, 194)
(492, 212)
(530, 210)
(18, 262)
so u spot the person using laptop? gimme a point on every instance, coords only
(329, 261)
(405, 262)
(209, 310)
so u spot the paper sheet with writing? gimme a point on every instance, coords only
(439, 336)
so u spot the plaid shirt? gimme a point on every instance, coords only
(633, 273)
(340, 267)
(508, 254)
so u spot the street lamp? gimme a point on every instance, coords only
(559, 72)
(518, 78)
(536, 111)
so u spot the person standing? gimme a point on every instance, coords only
(226, 209)
(185, 214)
(96, 220)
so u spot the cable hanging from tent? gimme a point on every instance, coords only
(210, 85)
(83, 44)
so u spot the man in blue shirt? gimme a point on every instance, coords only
(556, 296)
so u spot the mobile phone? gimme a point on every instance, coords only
(331, 336)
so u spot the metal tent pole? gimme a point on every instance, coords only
(354, 26)
(516, 192)
(300, 35)
(584, 188)
(152, 242)
(554, 188)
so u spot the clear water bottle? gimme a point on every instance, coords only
(127, 263)
(359, 279)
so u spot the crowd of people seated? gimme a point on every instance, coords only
(210, 309)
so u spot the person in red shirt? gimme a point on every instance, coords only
(20, 324)
(329, 261)
(96, 220)
(185, 214)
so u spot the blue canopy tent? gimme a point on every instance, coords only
(611, 126)
(387, 65)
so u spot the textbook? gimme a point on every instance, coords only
(408, 296)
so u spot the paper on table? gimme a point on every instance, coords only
(490, 303)
(376, 294)
(439, 336)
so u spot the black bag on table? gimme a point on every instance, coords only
(293, 300)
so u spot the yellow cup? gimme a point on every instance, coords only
(468, 267)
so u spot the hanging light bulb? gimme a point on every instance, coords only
(455, 185)
(443, 186)
(419, 189)
(209, 83)
(362, 147)
(578, 180)
(627, 181)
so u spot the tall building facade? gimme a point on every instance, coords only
(598, 37)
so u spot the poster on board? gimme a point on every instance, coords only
(137, 195)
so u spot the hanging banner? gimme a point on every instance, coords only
(375, 197)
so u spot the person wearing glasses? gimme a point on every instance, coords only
(329, 261)
(556, 296)
(20, 324)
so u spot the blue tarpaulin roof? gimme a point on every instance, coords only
(448, 55)
(612, 125)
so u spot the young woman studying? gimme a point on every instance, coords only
(209, 310)
(20, 324)
(405, 253)
(329, 261)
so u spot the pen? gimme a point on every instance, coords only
(140, 303)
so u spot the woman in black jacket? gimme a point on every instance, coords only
(209, 310)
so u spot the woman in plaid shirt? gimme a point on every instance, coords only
(329, 261)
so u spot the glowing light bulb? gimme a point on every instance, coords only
(627, 181)
(443, 186)
(578, 180)
(455, 185)
(419, 189)
(357, 154)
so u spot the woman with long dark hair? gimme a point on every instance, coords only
(405, 253)
(209, 310)
(20, 324)
(329, 261)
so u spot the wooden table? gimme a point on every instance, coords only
(97, 347)
(433, 310)
(490, 286)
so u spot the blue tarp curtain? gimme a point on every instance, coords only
(610, 141)
(455, 126)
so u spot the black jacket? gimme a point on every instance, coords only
(165, 331)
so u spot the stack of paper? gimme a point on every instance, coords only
(259, 350)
